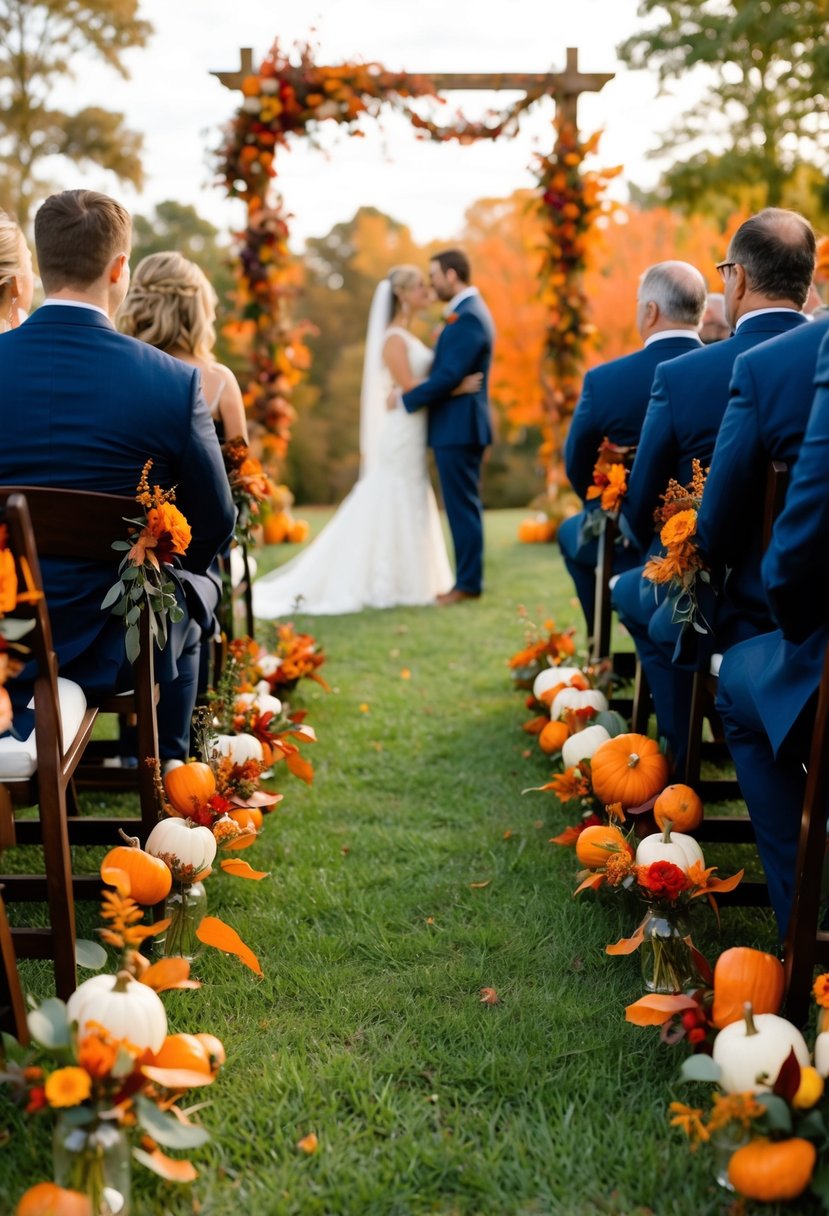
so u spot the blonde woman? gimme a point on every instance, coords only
(16, 278)
(384, 546)
(171, 305)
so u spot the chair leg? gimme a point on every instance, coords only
(12, 1004)
(640, 715)
(58, 882)
(694, 754)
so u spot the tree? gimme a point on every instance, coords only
(764, 113)
(40, 41)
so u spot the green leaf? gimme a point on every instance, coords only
(700, 1068)
(12, 1049)
(778, 1112)
(112, 595)
(121, 546)
(820, 1184)
(812, 1126)
(77, 1116)
(131, 572)
(90, 955)
(132, 643)
(49, 1024)
(166, 1129)
(133, 614)
(124, 1063)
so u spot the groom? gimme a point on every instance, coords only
(459, 427)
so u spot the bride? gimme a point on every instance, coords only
(384, 546)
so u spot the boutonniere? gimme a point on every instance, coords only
(452, 318)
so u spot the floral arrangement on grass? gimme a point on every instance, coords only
(681, 566)
(157, 536)
(293, 657)
(537, 529)
(544, 646)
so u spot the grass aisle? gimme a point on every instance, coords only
(411, 875)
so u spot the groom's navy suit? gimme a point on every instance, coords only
(767, 685)
(460, 430)
(83, 407)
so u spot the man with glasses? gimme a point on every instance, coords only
(766, 276)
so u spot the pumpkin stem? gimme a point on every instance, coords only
(132, 841)
(666, 832)
(748, 1014)
(633, 760)
(122, 980)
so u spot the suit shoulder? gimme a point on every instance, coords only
(795, 343)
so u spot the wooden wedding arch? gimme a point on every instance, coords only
(286, 97)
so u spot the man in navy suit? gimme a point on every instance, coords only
(84, 407)
(614, 397)
(766, 278)
(768, 684)
(459, 428)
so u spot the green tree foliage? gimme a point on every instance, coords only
(763, 117)
(40, 41)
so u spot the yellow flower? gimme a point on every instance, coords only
(616, 487)
(679, 528)
(689, 1119)
(821, 990)
(734, 1108)
(810, 1089)
(68, 1087)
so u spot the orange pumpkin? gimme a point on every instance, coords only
(629, 769)
(247, 817)
(528, 531)
(553, 736)
(215, 1049)
(276, 527)
(49, 1199)
(183, 1051)
(579, 681)
(742, 974)
(189, 786)
(598, 842)
(150, 877)
(549, 694)
(298, 531)
(680, 806)
(772, 1171)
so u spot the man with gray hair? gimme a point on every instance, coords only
(714, 327)
(612, 406)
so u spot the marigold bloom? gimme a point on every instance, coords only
(68, 1087)
(569, 785)
(617, 867)
(8, 579)
(679, 528)
(96, 1055)
(734, 1108)
(820, 990)
(689, 1119)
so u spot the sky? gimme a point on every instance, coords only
(180, 108)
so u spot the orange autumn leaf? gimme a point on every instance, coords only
(214, 932)
(308, 1144)
(169, 973)
(300, 768)
(241, 869)
(536, 725)
(115, 877)
(176, 1078)
(566, 838)
(592, 882)
(489, 996)
(627, 945)
(166, 1167)
(657, 1008)
(479, 886)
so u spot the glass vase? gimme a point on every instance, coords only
(185, 906)
(94, 1158)
(667, 965)
(724, 1143)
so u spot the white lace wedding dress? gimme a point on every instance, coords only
(384, 546)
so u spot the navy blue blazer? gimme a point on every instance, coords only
(771, 394)
(464, 346)
(83, 407)
(688, 400)
(796, 575)
(613, 401)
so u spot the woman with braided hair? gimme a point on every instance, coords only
(16, 281)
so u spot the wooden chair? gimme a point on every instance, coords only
(237, 569)
(806, 942)
(12, 1004)
(623, 663)
(40, 771)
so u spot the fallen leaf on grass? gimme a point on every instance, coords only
(479, 886)
(430, 920)
(489, 996)
(508, 834)
(345, 850)
(308, 1144)
(405, 674)
(214, 932)
(241, 869)
(538, 823)
(364, 708)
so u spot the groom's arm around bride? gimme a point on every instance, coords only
(459, 428)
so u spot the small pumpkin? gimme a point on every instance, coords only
(629, 769)
(583, 745)
(751, 1052)
(185, 1052)
(299, 531)
(577, 698)
(680, 806)
(742, 974)
(247, 817)
(239, 748)
(682, 850)
(123, 1006)
(182, 846)
(772, 1171)
(553, 736)
(215, 1050)
(550, 676)
(189, 786)
(49, 1199)
(276, 527)
(150, 879)
(262, 702)
(598, 842)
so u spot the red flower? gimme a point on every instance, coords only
(663, 880)
(452, 318)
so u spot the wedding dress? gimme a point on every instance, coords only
(384, 546)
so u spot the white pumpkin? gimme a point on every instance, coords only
(123, 1006)
(263, 703)
(181, 844)
(677, 847)
(240, 748)
(583, 744)
(752, 1050)
(268, 664)
(822, 1053)
(550, 676)
(577, 698)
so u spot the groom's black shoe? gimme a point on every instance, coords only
(456, 596)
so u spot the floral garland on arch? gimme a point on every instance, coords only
(290, 96)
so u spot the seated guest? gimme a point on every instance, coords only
(766, 276)
(16, 280)
(84, 407)
(714, 327)
(613, 401)
(171, 305)
(767, 687)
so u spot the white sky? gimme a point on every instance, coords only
(179, 107)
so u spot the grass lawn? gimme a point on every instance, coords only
(376, 933)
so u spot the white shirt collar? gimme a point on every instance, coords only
(673, 333)
(74, 304)
(466, 294)
(761, 312)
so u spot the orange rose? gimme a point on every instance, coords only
(679, 528)
(8, 581)
(171, 530)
